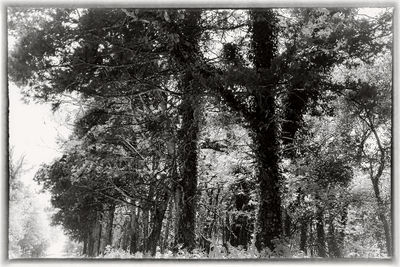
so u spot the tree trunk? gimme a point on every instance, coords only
(146, 217)
(89, 251)
(320, 233)
(185, 53)
(106, 228)
(264, 128)
(167, 229)
(126, 234)
(341, 232)
(84, 247)
(158, 218)
(303, 235)
(382, 217)
(375, 184)
(332, 239)
(110, 226)
(133, 247)
(239, 230)
(187, 216)
(269, 225)
(287, 224)
(311, 240)
(95, 237)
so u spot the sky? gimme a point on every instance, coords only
(33, 132)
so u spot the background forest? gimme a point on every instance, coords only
(211, 133)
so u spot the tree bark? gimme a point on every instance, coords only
(158, 218)
(106, 227)
(238, 232)
(332, 239)
(95, 237)
(264, 130)
(186, 53)
(133, 247)
(84, 249)
(287, 224)
(188, 185)
(126, 235)
(269, 223)
(303, 235)
(321, 249)
(382, 217)
(342, 230)
(167, 228)
(375, 184)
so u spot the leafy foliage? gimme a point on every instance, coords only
(216, 133)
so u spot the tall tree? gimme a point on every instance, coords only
(186, 53)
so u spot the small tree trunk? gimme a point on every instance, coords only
(133, 247)
(146, 217)
(158, 218)
(287, 224)
(303, 235)
(110, 226)
(333, 247)
(90, 245)
(320, 233)
(95, 237)
(311, 240)
(107, 221)
(167, 229)
(342, 230)
(126, 233)
(382, 217)
(85, 245)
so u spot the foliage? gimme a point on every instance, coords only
(216, 133)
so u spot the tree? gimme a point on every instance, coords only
(185, 53)
(369, 104)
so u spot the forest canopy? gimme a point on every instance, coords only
(215, 133)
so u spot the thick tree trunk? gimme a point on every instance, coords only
(185, 53)
(187, 216)
(269, 223)
(95, 237)
(264, 128)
